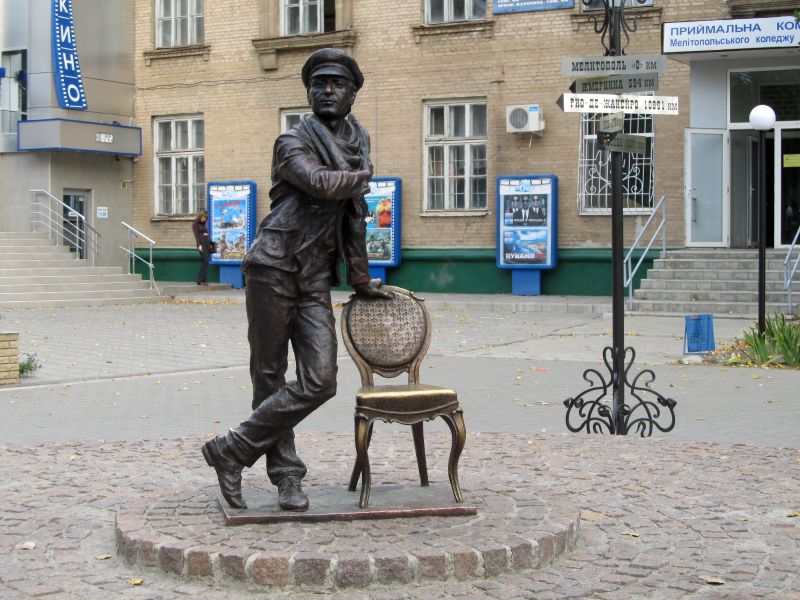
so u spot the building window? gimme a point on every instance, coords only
(444, 11)
(598, 4)
(594, 169)
(179, 23)
(308, 16)
(291, 117)
(179, 165)
(13, 90)
(455, 156)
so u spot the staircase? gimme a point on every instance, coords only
(36, 272)
(716, 281)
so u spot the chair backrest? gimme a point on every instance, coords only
(386, 336)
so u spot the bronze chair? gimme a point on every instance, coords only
(390, 337)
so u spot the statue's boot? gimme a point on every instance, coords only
(229, 472)
(291, 495)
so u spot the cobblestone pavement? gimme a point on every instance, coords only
(123, 386)
(661, 519)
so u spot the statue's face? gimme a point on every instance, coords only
(330, 96)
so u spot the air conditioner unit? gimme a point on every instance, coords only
(524, 118)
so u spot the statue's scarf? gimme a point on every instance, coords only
(346, 152)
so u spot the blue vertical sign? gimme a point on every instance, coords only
(66, 68)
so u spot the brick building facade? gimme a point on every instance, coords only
(218, 82)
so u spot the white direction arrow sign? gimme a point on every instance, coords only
(610, 103)
(597, 66)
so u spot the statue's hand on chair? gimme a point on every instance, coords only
(371, 289)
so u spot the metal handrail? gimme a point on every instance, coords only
(71, 234)
(630, 271)
(133, 233)
(788, 275)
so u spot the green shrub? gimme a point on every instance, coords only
(780, 342)
(29, 365)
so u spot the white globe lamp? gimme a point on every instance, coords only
(762, 118)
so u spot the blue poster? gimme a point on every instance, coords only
(383, 222)
(231, 219)
(500, 7)
(526, 221)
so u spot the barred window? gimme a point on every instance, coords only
(179, 165)
(455, 155)
(594, 169)
(179, 23)
(598, 4)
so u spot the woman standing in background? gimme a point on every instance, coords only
(203, 245)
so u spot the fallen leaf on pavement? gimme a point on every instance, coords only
(630, 533)
(713, 580)
(102, 557)
(793, 514)
(135, 581)
(25, 546)
(591, 516)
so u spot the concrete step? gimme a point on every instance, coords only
(31, 250)
(21, 235)
(748, 309)
(725, 297)
(72, 270)
(26, 243)
(708, 274)
(37, 263)
(91, 301)
(33, 297)
(738, 253)
(57, 277)
(51, 255)
(65, 287)
(750, 285)
(714, 264)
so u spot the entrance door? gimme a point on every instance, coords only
(707, 190)
(753, 147)
(74, 230)
(789, 168)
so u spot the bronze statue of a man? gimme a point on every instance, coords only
(320, 173)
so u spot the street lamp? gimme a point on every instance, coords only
(762, 118)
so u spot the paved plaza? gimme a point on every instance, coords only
(127, 393)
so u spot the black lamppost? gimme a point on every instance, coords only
(762, 118)
(587, 410)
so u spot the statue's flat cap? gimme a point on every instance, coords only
(332, 61)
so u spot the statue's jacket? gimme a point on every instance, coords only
(317, 205)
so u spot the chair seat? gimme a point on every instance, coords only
(406, 399)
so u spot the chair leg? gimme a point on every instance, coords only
(356, 475)
(456, 423)
(419, 448)
(362, 437)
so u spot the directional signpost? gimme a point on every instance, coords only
(608, 86)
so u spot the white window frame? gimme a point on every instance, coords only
(449, 10)
(304, 8)
(468, 141)
(195, 23)
(594, 172)
(293, 114)
(197, 194)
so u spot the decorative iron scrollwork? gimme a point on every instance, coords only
(607, 29)
(589, 409)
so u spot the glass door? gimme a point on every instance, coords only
(787, 220)
(707, 190)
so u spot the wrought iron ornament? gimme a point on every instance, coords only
(615, 23)
(586, 411)
(590, 410)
